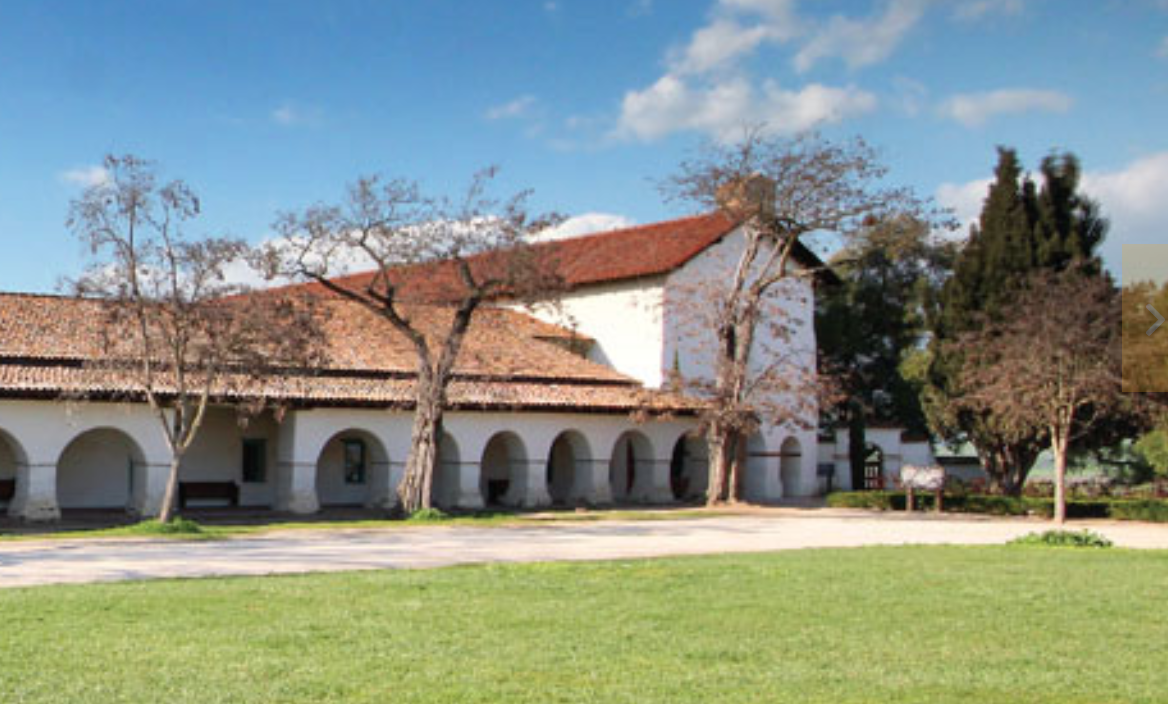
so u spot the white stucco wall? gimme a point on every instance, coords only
(331, 486)
(217, 454)
(624, 319)
(40, 432)
(897, 453)
(82, 457)
(97, 470)
(688, 341)
(644, 327)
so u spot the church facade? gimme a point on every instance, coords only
(548, 407)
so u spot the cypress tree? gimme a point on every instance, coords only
(1021, 229)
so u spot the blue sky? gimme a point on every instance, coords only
(263, 106)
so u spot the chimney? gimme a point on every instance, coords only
(747, 196)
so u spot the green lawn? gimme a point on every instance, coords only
(1002, 624)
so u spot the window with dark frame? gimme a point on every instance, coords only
(255, 460)
(354, 461)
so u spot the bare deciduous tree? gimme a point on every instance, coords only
(175, 332)
(783, 191)
(1051, 365)
(432, 269)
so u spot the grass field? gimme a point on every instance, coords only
(944, 624)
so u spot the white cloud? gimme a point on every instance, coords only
(585, 224)
(723, 109)
(965, 200)
(972, 10)
(518, 107)
(1134, 198)
(1162, 49)
(718, 45)
(85, 176)
(975, 109)
(639, 8)
(781, 15)
(289, 114)
(707, 87)
(285, 114)
(862, 42)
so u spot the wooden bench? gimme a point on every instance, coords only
(208, 490)
(7, 489)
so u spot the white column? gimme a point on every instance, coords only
(528, 487)
(592, 482)
(467, 492)
(297, 489)
(295, 469)
(381, 486)
(651, 482)
(150, 488)
(36, 492)
(772, 481)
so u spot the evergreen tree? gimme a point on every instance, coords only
(1022, 229)
(874, 322)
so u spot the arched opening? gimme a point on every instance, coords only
(873, 467)
(349, 466)
(630, 455)
(569, 449)
(12, 457)
(689, 468)
(503, 457)
(446, 476)
(99, 469)
(790, 463)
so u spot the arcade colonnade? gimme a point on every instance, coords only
(56, 456)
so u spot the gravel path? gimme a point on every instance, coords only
(34, 562)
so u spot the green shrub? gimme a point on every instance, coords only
(880, 500)
(176, 526)
(995, 505)
(428, 515)
(1146, 510)
(1154, 510)
(1064, 539)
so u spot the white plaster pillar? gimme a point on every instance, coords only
(295, 470)
(380, 494)
(297, 490)
(397, 472)
(467, 494)
(651, 482)
(592, 482)
(150, 488)
(36, 492)
(770, 485)
(528, 487)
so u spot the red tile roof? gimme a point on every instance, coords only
(48, 344)
(616, 255)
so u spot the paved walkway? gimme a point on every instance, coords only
(25, 563)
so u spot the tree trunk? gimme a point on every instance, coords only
(416, 489)
(857, 445)
(1058, 445)
(1008, 466)
(716, 440)
(170, 496)
(736, 459)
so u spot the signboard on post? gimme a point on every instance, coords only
(927, 478)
